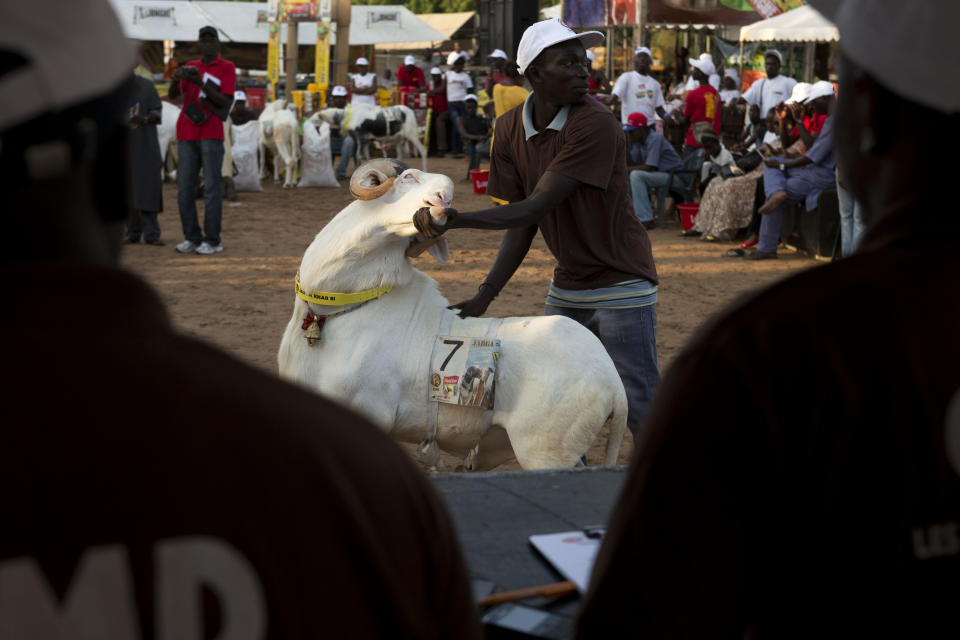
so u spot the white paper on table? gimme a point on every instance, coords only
(571, 553)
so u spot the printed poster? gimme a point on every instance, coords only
(463, 371)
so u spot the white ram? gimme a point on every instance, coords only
(279, 133)
(167, 138)
(556, 386)
(395, 125)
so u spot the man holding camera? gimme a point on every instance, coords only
(207, 87)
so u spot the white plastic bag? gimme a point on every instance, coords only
(316, 163)
(246, 143)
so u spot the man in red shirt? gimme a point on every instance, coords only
(410, 76)
(702, 105)
(437, 100)
(207, 87)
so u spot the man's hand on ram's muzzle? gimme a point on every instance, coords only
(427, 224)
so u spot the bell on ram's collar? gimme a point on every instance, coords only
(312, 325)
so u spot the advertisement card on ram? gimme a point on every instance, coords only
(463, 371)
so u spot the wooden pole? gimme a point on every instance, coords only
(291, 59)
(341, 12)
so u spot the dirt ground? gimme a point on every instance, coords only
(241, 299)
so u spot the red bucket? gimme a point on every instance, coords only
(688, 211)
(480, 177)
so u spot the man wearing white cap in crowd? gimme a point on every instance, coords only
(598, 82)
(410, 76)
(638, 90)
(458, 84)
(559, 165)
(363, 84)
(713, 79)
(790, 180)
(239, 113)
(796, 104)
(701, 108)
(496, 74)
(831, 507)
(163, 467)
(341, 143)
(775, 88)
(474, 128)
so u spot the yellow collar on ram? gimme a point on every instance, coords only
(334, 299)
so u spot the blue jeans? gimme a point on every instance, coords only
(457, 110)
(475, 151)
(852, 224)
(640, 183)
(630, 338)
(347, 150)
(800, 183)
(194, 154)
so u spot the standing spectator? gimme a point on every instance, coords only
(790, 180)
(638, 90)
(651, 156)
(770, 91)
(497, 74)
(241, 113)
(713, 78)
(146, 177)
(458, 86)
(363, 84)
(598, 82)
(701, 108)
(510, 92)
(852, 219)
(169, 489)
(560, 164)
(342, 143)
(474, 128)
(207, 87)
(456, 54)
(440, 120)
(410, 76)
(833, 509)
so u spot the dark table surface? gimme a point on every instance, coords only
(496, 513)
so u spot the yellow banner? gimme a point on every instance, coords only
(273, 53)
(322, 67)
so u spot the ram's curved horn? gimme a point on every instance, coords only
(375, 178)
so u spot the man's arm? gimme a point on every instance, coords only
(516, 244)
(464, 134)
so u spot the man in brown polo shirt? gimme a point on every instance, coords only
(559, 161)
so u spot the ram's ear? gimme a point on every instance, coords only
(436, 246)
(439, 251)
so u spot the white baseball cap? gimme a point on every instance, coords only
(731, 73)
(60, 50)
(239, 95)
(924, 29)
(409, 60)
(706, 66)
(801, 91)
(472, 96)
(498, 53)
(547, 33)
(640, 50)
(456, 55)
(820, 89)
(775, 53)
(339, 90)
(436, 71)
(590, 56)
(362, 62)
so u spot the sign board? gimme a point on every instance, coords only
(463, 371)
(322, 64)
(273, 53)
(154, 13)
(298, 10)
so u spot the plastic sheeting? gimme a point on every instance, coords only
(246, 144)
(803, 24)
(316, 161)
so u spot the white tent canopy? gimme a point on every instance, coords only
(803, 24)
(245, 22)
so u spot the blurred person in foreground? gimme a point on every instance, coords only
(153, 484)
(831, 508)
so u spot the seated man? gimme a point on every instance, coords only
(475, 129)
(717, 157)
(410, 77)
(341, 143)
(651, 156)
(786, 180)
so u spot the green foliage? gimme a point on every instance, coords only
(428, 6)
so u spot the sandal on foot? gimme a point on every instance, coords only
(734, 253)
(689, 233)
(761, 255)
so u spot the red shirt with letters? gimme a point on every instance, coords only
(410, 81)
(702, 104)
(223, 73)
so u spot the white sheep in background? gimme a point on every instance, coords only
(396, 125)
(280, 134)
(167, 138)
(555, 385)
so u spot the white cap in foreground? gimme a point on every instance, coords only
(409, 60)
(339, 90)
(640, 50)
(706, 66)
(498, 53)
(362, 62)
(547, 33)
(472, 96)
(435, 71)
(239, 95)
(876, 34)
(819, 90)
(801, 91)
(70, 57)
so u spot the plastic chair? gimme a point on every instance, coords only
(680, 186)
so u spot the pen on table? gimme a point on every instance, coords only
(554, 590)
